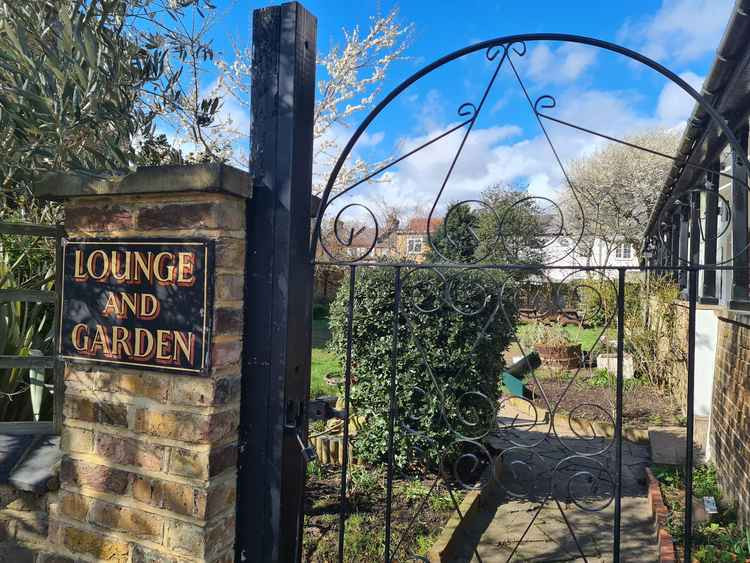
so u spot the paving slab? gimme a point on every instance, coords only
(554, 500)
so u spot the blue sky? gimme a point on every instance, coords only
(599, 90)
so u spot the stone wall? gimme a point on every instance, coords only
(24, 523)
(730, 417)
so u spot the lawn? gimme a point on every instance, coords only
(587, 337)
(323, 361)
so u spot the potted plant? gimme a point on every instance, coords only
(554, 346)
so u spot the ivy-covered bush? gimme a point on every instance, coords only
(452, 330)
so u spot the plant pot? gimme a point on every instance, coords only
(564, 357)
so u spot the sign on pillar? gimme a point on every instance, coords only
(139, 303)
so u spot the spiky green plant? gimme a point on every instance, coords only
(23, 327)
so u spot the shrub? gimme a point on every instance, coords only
(452, 331)
(597, 300)
(320, 311)
(654, 339)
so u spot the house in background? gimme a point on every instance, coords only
(412, 242)
(409, 243)
(571, 255)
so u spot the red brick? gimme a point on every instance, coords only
(98, 218)
(122, 519)
(222, 459)
(199, 391)
(230, 287)
(202, 215)
(98, 477)
(149, 386)
(226, 353)
(221, 498)
(79, 408)
(187, 426)
(168, 495)
(230, 254)
(74, 506)
(228, 321)
(129, 451)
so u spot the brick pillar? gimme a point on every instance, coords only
(149, 457)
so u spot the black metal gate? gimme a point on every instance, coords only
(444, 416)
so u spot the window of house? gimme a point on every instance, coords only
(414, 245)
(623, 252)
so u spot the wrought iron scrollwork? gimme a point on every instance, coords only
(501, 441)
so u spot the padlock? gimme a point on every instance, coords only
(308, 452)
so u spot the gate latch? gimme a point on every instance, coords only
(321, 409)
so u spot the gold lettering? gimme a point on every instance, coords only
(116, 259)
(144, 345)
(120, 336)
(184, 343)
(149, 306)
(113, 306)
(142, 266)
(101, 341)
(163, 340)
(162, 278)
(79, 343)
(128, 302)
(90, 264)
(185, 269)
(78, 274)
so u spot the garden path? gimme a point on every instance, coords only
(494, 530)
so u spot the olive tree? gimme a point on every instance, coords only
(82, 80)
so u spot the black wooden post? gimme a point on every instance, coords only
(683, 258)
(708, 292)
(278, 287)
(695, 228)
(740, 298)
(664, 236)
(674, 240)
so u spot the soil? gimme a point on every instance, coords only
(417, 516)
(644, 405)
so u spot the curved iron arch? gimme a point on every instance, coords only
(507, 43)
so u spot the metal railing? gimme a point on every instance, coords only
(37, 362)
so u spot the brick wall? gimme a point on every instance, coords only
(730, 416)
(148, 471)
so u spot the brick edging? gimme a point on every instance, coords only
(659, 512)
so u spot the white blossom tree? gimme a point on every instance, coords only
(617, 187)
(352, 77)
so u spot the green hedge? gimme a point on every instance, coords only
(448, 364)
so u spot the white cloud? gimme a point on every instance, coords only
(231, 111)
(675, 105)
(562, 65)
(501, 152)
(540, 186)
(680, 31)
(505, 154)
(370, 140)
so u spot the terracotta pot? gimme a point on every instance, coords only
(564, 357)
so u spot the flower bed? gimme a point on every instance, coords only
(716, 540)
(418, 515)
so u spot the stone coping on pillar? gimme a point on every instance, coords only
(214, 178)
